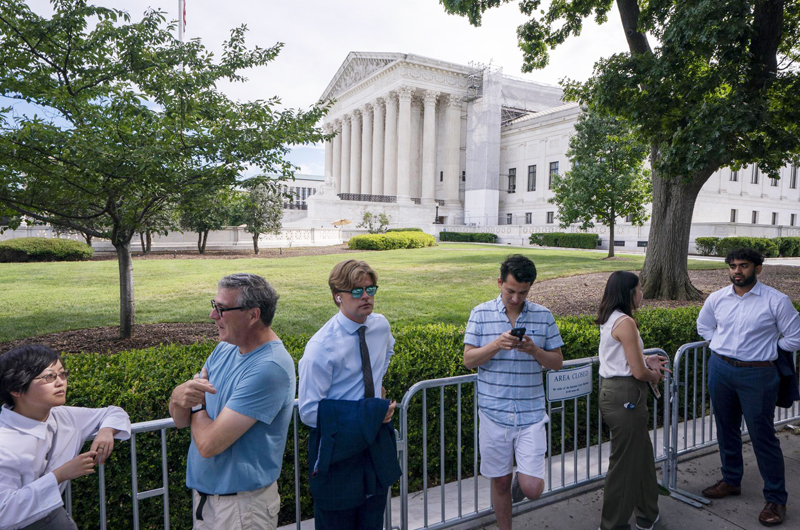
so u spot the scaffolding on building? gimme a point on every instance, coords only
(475, 78)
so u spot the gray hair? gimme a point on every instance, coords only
(254, 291)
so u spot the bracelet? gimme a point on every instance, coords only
(198, 408)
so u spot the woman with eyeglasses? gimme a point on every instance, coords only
(40, 439)
(631, 485)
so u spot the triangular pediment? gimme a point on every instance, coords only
(357, 67)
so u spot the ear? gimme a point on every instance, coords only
(255, 315)
(500, 282)
(758, 269)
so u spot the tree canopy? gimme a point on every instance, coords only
(111, 119)
(607, 180)
(720, 88)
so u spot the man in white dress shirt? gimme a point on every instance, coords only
(40, 439)
(746, 323)
(332, 368)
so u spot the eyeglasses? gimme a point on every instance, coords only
(51, 376)
(221, 310)
(359, 291)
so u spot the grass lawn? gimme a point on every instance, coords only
(435, 284)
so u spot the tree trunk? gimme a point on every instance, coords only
(205, 240)
(665, 275)
(611, 237)
(255, 243)
(88, 239)
(127, 308)
(149, 240)
(141, 240)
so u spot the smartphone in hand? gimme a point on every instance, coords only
(518, 332)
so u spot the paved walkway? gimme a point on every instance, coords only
(582, 512)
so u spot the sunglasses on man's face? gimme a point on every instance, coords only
(358, 292)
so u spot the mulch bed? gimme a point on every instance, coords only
(574, 295)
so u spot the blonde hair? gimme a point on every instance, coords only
(346, 274)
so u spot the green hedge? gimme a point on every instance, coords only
(141, 381)
(404, 230)
(562, 239)
(789, 246)
(468, 237)
(43, 249)
(765, 246)
(706, 246)
(391, 241)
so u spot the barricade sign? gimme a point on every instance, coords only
(569, 384)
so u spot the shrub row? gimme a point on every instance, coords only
(562, 239)
(141, 381)
(404, 230)
(779, 246)
(468, 237)
(43, 249)
(391, 241)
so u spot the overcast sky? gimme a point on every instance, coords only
(318, 35)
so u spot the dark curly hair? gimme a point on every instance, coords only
(20, 365)
(745, 254)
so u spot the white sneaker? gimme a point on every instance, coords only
(648, 527)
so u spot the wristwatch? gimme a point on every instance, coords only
(198, 408)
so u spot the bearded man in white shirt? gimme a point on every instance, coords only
(745, 324)
(40, 439)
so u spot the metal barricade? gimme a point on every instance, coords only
(464, 508)
(692, 424)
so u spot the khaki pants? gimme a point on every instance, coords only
(247, 510)
(631, 485)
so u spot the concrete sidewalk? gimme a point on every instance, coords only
(582, 512)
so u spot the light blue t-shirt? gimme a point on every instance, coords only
(259, 384)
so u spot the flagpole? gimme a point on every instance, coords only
(181, 8)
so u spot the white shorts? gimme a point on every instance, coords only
(499, 445)
(247, 510)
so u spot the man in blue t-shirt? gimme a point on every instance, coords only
(239, 407)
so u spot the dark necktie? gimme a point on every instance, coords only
(366, 366)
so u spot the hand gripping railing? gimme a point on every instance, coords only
(692, 424)
(453, 515)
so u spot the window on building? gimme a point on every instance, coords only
(509, 218)
(550, 217)
(553, 171)
(754, 218)
(441, 176)
(733, 216)
(774, 218)
(734, 176)
(528, 218)
(754, 177)
(793, 175)
(793, 219)
(773, 182)
(531, 178)
(512, 180)
(629, 218)
(463, 176)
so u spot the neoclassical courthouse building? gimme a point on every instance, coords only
(443, 146)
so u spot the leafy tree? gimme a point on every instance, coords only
(374, 223)
(722, 88)
(607, 179)
(128, 120)
(262, 212)
(203, 212)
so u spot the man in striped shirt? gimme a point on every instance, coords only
(510, 390)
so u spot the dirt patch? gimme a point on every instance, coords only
(574, 295)
(580, 295)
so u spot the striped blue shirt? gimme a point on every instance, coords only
(510, 386)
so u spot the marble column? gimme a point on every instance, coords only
(337, 156)
(377, 146)
(390, 149)
(416, 147)
(328, 128)
(404, 94)
(366, 149)
(355, 153)
(345, 182)
(429, 147)
(452, 150)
